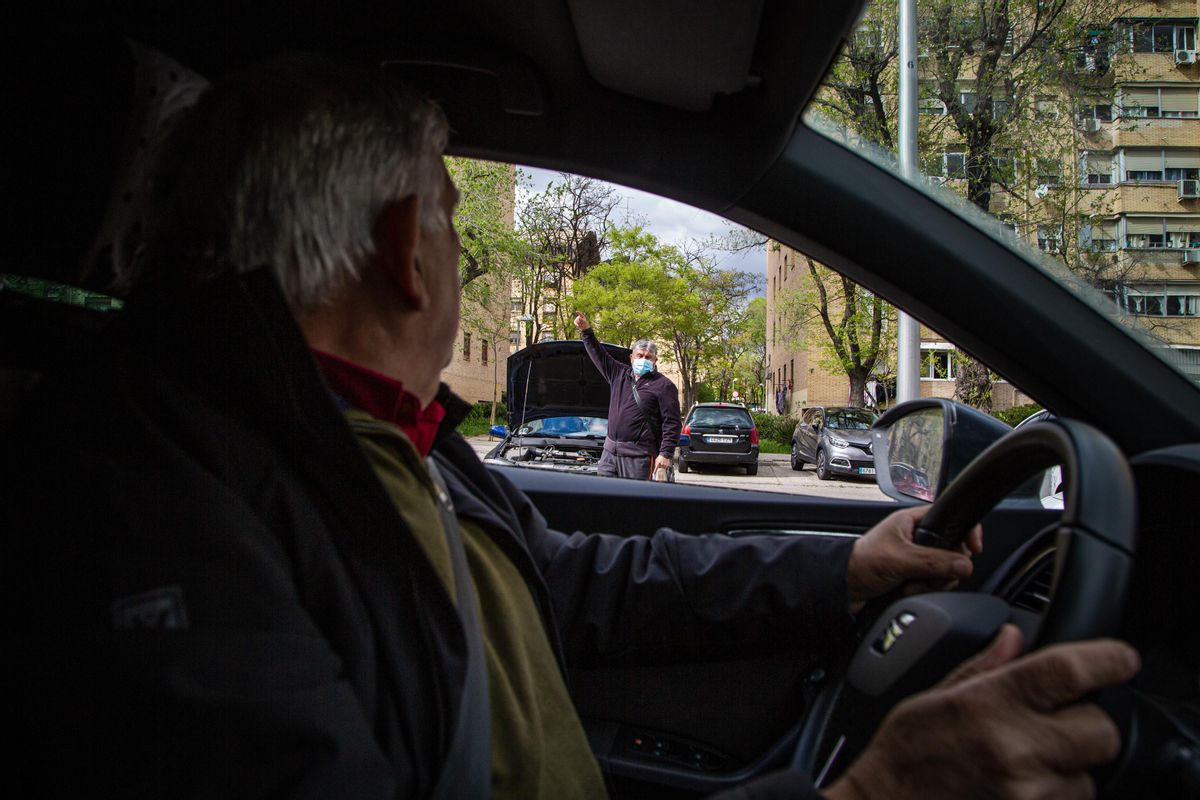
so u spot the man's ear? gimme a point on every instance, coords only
(397, 235)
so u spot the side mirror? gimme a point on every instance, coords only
(922, 445)
(499, 431)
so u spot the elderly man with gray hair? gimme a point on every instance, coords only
(643, 409)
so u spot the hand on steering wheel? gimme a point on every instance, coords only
(918, 640)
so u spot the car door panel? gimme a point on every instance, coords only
(740, 711)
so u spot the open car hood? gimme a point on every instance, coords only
(557, 379)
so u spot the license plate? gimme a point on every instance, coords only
(866, 470)
(719, 439)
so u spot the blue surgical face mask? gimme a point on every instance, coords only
(642, 365)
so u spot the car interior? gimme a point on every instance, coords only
(704, 103)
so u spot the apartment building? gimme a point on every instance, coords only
(1109, 183)
(478, 369)
(1145, 145)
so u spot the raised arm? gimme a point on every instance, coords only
(609, 367)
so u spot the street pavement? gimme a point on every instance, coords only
(775, 474)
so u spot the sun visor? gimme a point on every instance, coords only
(681, 53)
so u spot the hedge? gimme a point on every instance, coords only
(1017, 413)
(775, 427)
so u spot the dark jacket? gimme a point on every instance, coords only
(626, 422)
(214, 595)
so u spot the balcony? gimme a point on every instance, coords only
(1156, 132)
(1159, 197)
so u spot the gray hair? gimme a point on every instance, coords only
(647, 345)
(289, 164)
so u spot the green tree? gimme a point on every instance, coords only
(491, 250)
(857, 324)
(563, 230)
(648, 289)
(1004, 79)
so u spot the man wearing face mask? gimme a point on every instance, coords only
(643, 409)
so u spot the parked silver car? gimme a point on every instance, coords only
(836, 439)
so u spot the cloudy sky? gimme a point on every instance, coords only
(670, 221)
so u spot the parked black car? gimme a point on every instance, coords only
(719, 433)
(557, 408)
(837, 439)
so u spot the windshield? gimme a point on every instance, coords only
(722, 417)
(850, 419)
(1068, 131)
(581, 427)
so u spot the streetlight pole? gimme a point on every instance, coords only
(908, 334)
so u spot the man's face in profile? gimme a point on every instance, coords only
(439, 252)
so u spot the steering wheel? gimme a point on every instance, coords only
(917, 640)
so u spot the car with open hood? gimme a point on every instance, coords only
(715, 104)
(557, 408)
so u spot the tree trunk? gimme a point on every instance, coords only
(858, 385)
(973, 384)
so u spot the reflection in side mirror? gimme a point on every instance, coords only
(915, 452)
(922, 445)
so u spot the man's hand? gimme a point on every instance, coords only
(661, 461)
(581, 321)
(998, 727)
(886, 558)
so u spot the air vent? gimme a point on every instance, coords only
(1031, 589)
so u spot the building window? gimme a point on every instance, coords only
(1049, 238)
(1182, 240)
(1049, 171)
(1097, 168)
(1155, 101)
(514, 337)
(466, 347)
(1161, 165)
(868, 38)
(937, 364)
(1098, 237)
(931, 106)
(1144, 240)
(1185, 359)
(1161, 37)
(1095, 50)
(517, 304)
(1157, 232)
(1167, 301)
(950, 164)
(483, 356)
(1005, 166)
(1097, 109)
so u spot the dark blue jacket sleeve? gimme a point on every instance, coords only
(673, 597)
(609, 367)
(671, 422)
